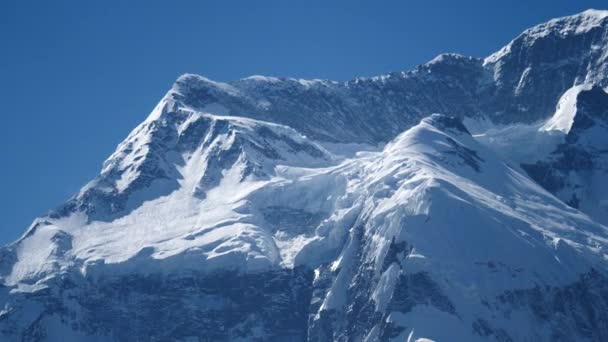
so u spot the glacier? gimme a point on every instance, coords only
(462, 200)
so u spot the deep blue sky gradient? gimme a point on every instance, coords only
(77, 76)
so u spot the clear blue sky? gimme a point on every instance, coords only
(77, 76)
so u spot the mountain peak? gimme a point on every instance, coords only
(187, 83)
(226, 200)
(574, 24)
(449, 58)
(577, 24)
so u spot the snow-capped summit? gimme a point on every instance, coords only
(553, 56)
(281, 209)
(573, 25)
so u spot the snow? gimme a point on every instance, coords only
(38, 256)
(431, 192)
(529, 142)
(310, 83)
(577, 24)
(498, 55)
(384, 289)
(198, 189)
(554, 147)
(259, 78)
(411, 180)
(516, 143)
(522, 80)
(478, 226)
(181, 227)
(441, 58)
(565, 113)
(194, 80)
(426, 328)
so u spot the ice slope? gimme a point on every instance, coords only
(174, 190)
(161, 152)
(434, 212)
(445, 229)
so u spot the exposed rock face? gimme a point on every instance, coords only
(553, 57)
(520, 83)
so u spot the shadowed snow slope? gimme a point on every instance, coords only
(277, 209)
(576, 170)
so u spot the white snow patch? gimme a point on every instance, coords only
(565, 113)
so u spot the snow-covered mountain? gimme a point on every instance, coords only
(276, 209)
(577, 169)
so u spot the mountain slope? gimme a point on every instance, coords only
(446, 230)
(576, 169)
(434, 212)
(178, 161)
(275, 209)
